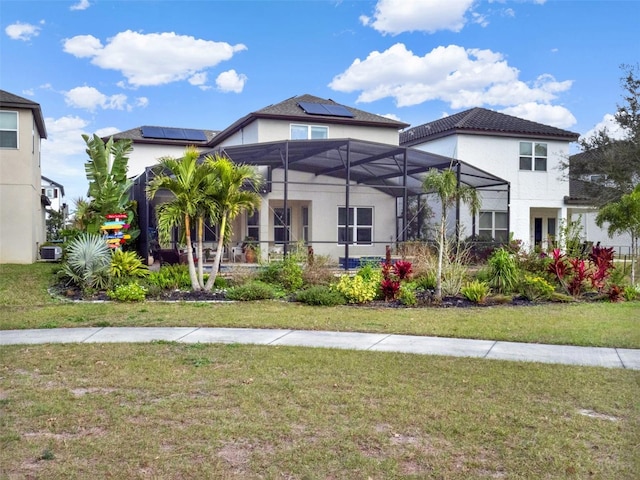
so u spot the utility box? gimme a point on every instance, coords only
(52, 253)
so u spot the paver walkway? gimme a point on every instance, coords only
(381, 342)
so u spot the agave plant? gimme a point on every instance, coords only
(88, 262)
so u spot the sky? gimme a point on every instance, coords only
(105, 66)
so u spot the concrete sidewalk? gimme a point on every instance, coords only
(381, 342)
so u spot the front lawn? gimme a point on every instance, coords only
(175, 411)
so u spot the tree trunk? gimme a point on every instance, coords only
(195, 285)
(441, 248)
(199, 235)
(216, 263)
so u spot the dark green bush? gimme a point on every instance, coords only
(320, 295)
(286, 273)
(254, 290)
(174, 277)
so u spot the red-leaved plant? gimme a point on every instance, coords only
(392, 275)
(602, 260)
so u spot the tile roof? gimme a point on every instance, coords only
(482, 121)
(9, 100)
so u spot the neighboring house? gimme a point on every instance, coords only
(55, 193)
(337, 172)
(526, 154)
(581, 207)
(22, 212)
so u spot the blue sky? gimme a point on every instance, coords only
(102, 66)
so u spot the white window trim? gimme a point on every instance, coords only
(493, 229)
(308, 127)
(355, 225)
(17, 130)
(533, 157)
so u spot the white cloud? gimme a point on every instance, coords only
(22, 31)
(398, 16)
(231, 81)
(154, 58)
(142, 102)
(461, 77)
(90, 98)
(81, 5)
(555, 115)
(609, 123)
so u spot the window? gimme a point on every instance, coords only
(280, 234)
(533, 156)
(358, 230)
(494, 225)
(309, 132)
(253, 226)
(8, 129)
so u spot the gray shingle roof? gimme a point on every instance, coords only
(9, 100)
(482, 121)
(290, 110)
(135, 134)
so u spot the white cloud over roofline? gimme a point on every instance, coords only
(461, 77)
(91, 99)
(154, 58)
(231, 81)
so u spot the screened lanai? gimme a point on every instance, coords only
(393, 170)
(337, 170)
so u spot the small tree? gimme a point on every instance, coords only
(233, 190)
(446, 186)
(189, 182)
(623, 216)
(55, 224)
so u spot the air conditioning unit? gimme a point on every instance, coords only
(51, 253)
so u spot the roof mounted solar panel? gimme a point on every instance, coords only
(196, 135)
(174, 133)
(328, 109)
(152, 132)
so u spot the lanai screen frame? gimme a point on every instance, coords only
(395, 170)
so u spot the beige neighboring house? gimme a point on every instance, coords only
(22, 206)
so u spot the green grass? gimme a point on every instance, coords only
(173, 411)
(25, 303)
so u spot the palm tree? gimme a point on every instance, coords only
(189, 182)
(445, 184)
(234, 190)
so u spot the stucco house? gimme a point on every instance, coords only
(338, 173)
(22, 205)
(526, 154)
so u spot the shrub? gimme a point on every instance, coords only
(322, 295)
(358, 289)
(427, 280)
(88, 262)
(251, 291)
(536, 288)
(318, 272)
(407, 294)
(130, 292)
(127, 264)
(476, 291)
(503, 271)
(174, 277)
(286, 273)
(631, 293)
(454, 274)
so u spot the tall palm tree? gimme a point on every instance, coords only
(446, 186)
(234, 190)
(189, 182)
